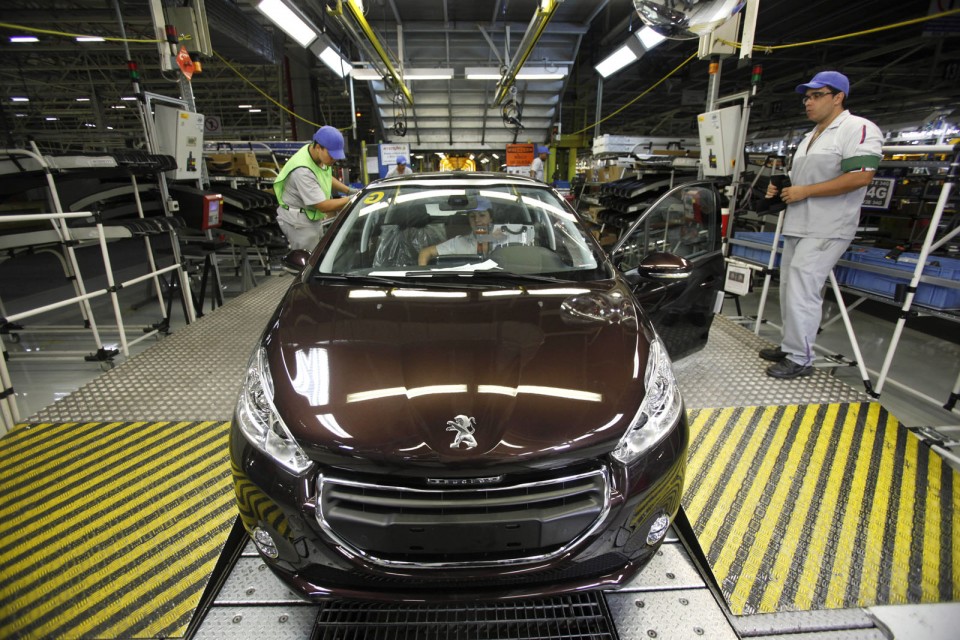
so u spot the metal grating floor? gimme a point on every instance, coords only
(579, 615)
(729, 373)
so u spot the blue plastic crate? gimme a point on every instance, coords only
(928, 295)
(760, 256)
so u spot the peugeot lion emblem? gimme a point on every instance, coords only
(463, 426)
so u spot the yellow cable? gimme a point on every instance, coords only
(48, 32)
(769, 48)
(651, 88)
(261, 91)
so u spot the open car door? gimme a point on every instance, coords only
(672, 257)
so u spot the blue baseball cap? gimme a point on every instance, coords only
(401, 160)
(833, 79)
(330, 139)
(542, 150)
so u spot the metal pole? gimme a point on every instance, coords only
(922, 259)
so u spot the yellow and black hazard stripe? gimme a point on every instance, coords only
(99, 518)
(821, 506)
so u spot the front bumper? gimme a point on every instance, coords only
(317, 563)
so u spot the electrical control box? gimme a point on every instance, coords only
(180, 134)
(199, 209)
(719, 132)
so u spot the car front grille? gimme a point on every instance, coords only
(521, 521)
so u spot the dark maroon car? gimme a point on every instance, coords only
(461, 397)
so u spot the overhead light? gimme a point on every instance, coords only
(83, 99)
(289, 21)
(19, 99)
(332, 58)
(482, 73)
(526, 73)
(628, 53)
(89, 39)
(324, 49)
(50, 118)
(244, 106)
(365, 74)
(428, 74)
(649, 38)
(24, 39)
(127, 98)
(20, 115)
(255, 110)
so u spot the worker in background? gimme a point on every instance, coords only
(400, 169)
(538, 165)
(831, 169)
(305, 188)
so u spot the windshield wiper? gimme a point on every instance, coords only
(509, 275)
(400, 280)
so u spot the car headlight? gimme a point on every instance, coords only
(258, 418)
(659, 410)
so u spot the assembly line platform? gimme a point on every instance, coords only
(805, 504)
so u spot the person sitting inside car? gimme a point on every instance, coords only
(479, 242)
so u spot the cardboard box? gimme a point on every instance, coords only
(245, 164)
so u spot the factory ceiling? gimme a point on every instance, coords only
(905, 71)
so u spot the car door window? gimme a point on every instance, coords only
(682, 222)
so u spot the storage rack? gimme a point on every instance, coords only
(66, 239)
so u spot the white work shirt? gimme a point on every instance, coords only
(849, 143)
(300, 191)
(393, 171)
(468, 244)
(537, 168)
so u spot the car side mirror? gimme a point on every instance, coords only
(665, 266)
(295, 261)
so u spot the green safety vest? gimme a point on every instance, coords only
(324, 176)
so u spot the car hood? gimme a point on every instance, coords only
(457, 376)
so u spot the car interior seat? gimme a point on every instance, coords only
(406, 230)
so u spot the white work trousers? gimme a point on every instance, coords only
(804, 266)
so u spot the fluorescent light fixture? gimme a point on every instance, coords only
(526, 73)
(50, 118)
(244, 106)
(332, 58)
(83, 99)
(287, 19)
(427, 74)
(119, 106)
(19, 99)
(626, 54)
(90, 124)
(89, 39)
(482, 73)
(649, 38)
(127, 98)
(24, 39)
(20, 115)
(255, 110)
(365, 74)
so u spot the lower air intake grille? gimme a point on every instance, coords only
(579, 615)
(462, 525)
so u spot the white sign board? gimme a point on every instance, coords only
(737, 281)
(879, 193)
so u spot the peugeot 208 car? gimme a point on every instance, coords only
(460, 397)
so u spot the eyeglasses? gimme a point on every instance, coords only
(816, 95)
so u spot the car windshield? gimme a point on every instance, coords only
(434, 227)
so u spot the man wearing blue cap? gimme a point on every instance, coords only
(305, 188)
(399, 169)
(536, 168)
(831, 169)
(480, 240)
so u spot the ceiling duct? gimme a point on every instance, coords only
(237, 36)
